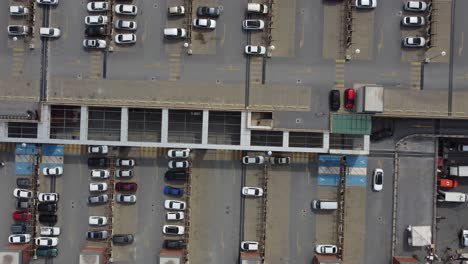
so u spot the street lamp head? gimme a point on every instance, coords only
(357, 51)
(443, 53)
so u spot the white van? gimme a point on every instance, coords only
(324, 205)
(462, 148)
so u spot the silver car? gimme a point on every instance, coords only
(126, 198)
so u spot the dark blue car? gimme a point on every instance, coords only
(173, 191)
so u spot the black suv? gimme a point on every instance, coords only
(334, 100)
(22, 204)
(49, 219)
(24, 183)
(95, 31)
(176, 175)
(18, 229)
(122, 239)
(47, 207)
(208, 11)
(174, 244)
(98, 162)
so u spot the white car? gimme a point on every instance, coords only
(204, 23)
(47, 2)
(255, 8)
(94, 43)
(50, 231)
(98, 187)
(174, 205)
(415, 6)
(100, 174)
(52, 171)
(125, 24)
(178, 153)
(97, 220)
(255, 50)
(46, 241)
(96, 20)
(366, 3)
(97, 6)
(378, 180)
(280, 160)
(174, 216)
(414, 42)
(49, 32)
(464, 238)
(249, 246)
(124, 174)
(18, 30)
(173, 230)
(326, 249)
(125, 163)
(125, 38)
(48, 197)
(98, 149)
(22, 193)
(253, 24)
(178, 164)
(19, 10)
(252, 191)
(253, 160)
(130, 10)
(175, 33)
(126, 198)
(176, 10)
(19, 239)
(414, 21)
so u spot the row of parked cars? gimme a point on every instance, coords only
(414, 21)
(23, 30)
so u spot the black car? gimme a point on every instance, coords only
(22, 204)
(122, 239)
(23, 183)
(18, 229)
(48, 219)
(176, 175)
(96, 235)
(208, 11)
(47, 208)
(174, 244)
(95, 31)
(98, 162)
(334, 100)
(381, 134)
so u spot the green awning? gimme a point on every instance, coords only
(356, 124)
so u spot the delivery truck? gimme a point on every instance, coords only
(458, 197)
(458, 171)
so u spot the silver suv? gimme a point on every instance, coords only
(18, 30)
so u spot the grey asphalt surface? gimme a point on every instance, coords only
(7, 206)
(460, 59)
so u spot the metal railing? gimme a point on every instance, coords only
(264, 206)
(341, 206)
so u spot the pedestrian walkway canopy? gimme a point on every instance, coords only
(355, 124)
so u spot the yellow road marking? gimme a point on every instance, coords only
(462, 43)
(381, 41)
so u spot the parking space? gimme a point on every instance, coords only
(7, 204)
(254, 221)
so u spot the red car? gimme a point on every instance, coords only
(447, 183)
(126, 186)
(21, 216)
(350, 95)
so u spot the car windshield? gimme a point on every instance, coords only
(254, 23)
(378, 178)
(416, 41)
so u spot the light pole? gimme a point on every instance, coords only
(442, 53)
(350, 56)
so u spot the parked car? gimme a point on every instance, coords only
(415, 6)
(98, 149)
(350, 95)
(98, 199)
(48, 197)
(124, 239)
(252, 191)
(249, 246)
(23, 183)
(49, 231)
(50, 208)
(125, 25)
(254, 50)
(175, 33)
(22, 193)
(46, 241)
(255, 8)
(19, 10)
(413, 21)
(21, 216)
(174, 244)
(18, 229)
(47, 252)
(19, 238)
(178, 153)
(334, 99)
(176, 175)
(126, 187)
(414, 42)
(125, 163)
(98, 187)
(22, 204)
(253, 160)
(48, 219)
(97, 6)
(126, 198)
(280, 160)
(124, 174)
(94, 43)
(253, 24)
(96, 31)
(447, 183)
(17, 30)
(173, 230)
(100, 174)
(378, 180)
(178, 164)
(366, 3)
(173, 191)
(52, 171)
(326, 249)
(98, 162)
(96, 235)
(47, 2)
(176, 10)
(96, 20)
(208, 11)
(204, 23)
(381, 134)
(175, 216)
(49, 32)
(174, 205)
(464, 238)
(129, 10)
(95, 220)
